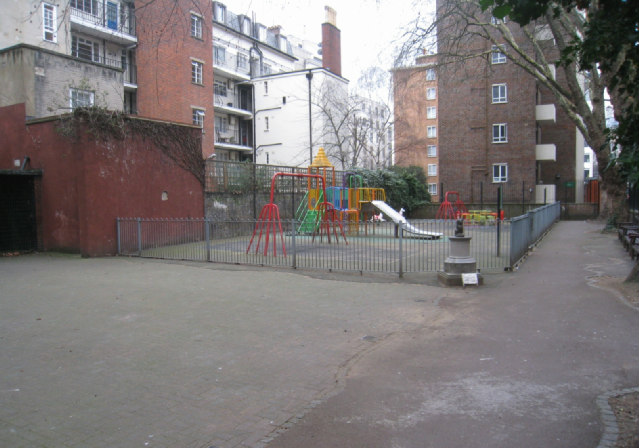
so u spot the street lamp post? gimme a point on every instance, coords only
(309, 76)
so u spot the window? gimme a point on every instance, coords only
(81, 98)
(219, 88)
(500, 172)
(219, 12)
(431, 93)
(196, 72)
(500, 133)
(49, 22)
(432, 169)
(266, 124)
(198, 117)
(196, 26)
(85, 49)
(500, 94)
(430, 74)
(432, 151)
(90, 6)
(586, 158)
(431, 112)
(221, 124)
(265, 87)
(496, 21)
(432, 189)
(431, 131)
(586, 174)
(219, 55)
(497, 57)
(267, 69)
(242, 61)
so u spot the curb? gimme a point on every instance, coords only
(611, 428)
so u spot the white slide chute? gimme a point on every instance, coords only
(399, 219)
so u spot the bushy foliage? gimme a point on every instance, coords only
(405, 187)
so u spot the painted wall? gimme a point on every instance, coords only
(86, 183)
(42, 80)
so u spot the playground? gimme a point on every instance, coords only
(347, 227)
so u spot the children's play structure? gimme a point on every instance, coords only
(325, 207)
(453, 208)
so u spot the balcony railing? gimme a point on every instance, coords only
(234, 64)
(232, 102)
(130, 70)
(122, 20)
(232, 136)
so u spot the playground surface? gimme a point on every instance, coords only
(135, 352)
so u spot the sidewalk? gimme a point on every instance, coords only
(519, 362)
(120, 352)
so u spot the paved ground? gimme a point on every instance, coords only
(128, 352)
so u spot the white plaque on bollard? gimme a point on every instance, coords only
(470, 279)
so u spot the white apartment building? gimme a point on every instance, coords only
(58, 55)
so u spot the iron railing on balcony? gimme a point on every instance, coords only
(234, 101)
(120, 19)
(238, 63)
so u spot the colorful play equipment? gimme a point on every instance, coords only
(481, 217)
(347, 200)
(269, 220)
(449, 209)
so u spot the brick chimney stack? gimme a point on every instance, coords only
(331, 43)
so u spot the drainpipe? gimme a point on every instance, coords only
(309, 76)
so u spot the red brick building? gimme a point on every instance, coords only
(495, 125)
(65, 193)
(416, 119)
(175, 64)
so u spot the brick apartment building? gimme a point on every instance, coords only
(490, 123)
(416, 119)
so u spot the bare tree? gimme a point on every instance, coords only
(356, 126)
(462, 32)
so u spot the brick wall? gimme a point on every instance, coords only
(164, 54)
(87, 183)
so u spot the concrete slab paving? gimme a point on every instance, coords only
(120, 352)
(519, 362)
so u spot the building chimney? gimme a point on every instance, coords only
(331, 43)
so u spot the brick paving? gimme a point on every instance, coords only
(126, 352)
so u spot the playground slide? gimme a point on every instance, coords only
(399, 219)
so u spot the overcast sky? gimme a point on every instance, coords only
(368, 27)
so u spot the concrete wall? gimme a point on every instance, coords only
(42, 80)
(86, 183)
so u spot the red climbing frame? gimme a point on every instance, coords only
(269, 220)
(450, 210)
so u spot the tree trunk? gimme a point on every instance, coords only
(613, 202)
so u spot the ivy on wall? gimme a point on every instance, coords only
(181, 144)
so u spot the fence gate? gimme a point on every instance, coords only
(18, 227)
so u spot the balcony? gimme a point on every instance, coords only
(545, 112)
(546, 152)
(232, 106)
(232, 138)
(117, 24)
(233, 67)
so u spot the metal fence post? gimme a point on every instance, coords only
(117, 231)
(499, 208)
(401, 254)
(139, 237)
(293, 243)
(207, 232)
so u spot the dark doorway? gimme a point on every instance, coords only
(18, 226)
